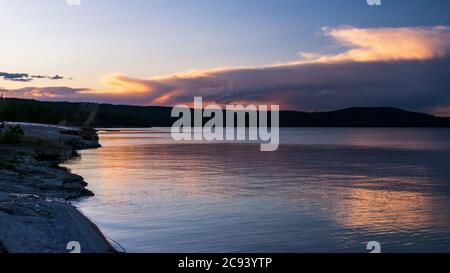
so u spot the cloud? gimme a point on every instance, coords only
(25, 77)
(399, 67)
(416, 85)
(47, 93)
(18, 77)
(387, 44)
(402, 67)
(56, 77)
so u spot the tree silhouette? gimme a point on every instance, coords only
(2, 122)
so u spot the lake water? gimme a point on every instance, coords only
(324, 190)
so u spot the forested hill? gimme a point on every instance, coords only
(107, 115)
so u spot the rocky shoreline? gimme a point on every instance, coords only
(35, 192)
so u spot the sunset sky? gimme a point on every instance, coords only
(306, 55)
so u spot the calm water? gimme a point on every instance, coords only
(324, 190)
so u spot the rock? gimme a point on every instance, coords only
(89, 133)
(34, 216)
(73, 178)
(50, 184)
(7, 208)
(18, 208)
(73, 186)
(71, 132)
(80, 194)
(3, 248)
(4, 197)
(53, 153)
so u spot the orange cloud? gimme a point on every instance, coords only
(387, 44)
(120, 84)
(363, 45)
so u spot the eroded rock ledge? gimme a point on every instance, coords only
(35, 213)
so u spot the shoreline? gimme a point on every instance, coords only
(35, 192)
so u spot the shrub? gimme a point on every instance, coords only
(12, 134)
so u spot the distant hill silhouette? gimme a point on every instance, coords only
(107, 115)
(363, 117)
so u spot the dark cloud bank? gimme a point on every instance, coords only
(25, 77)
